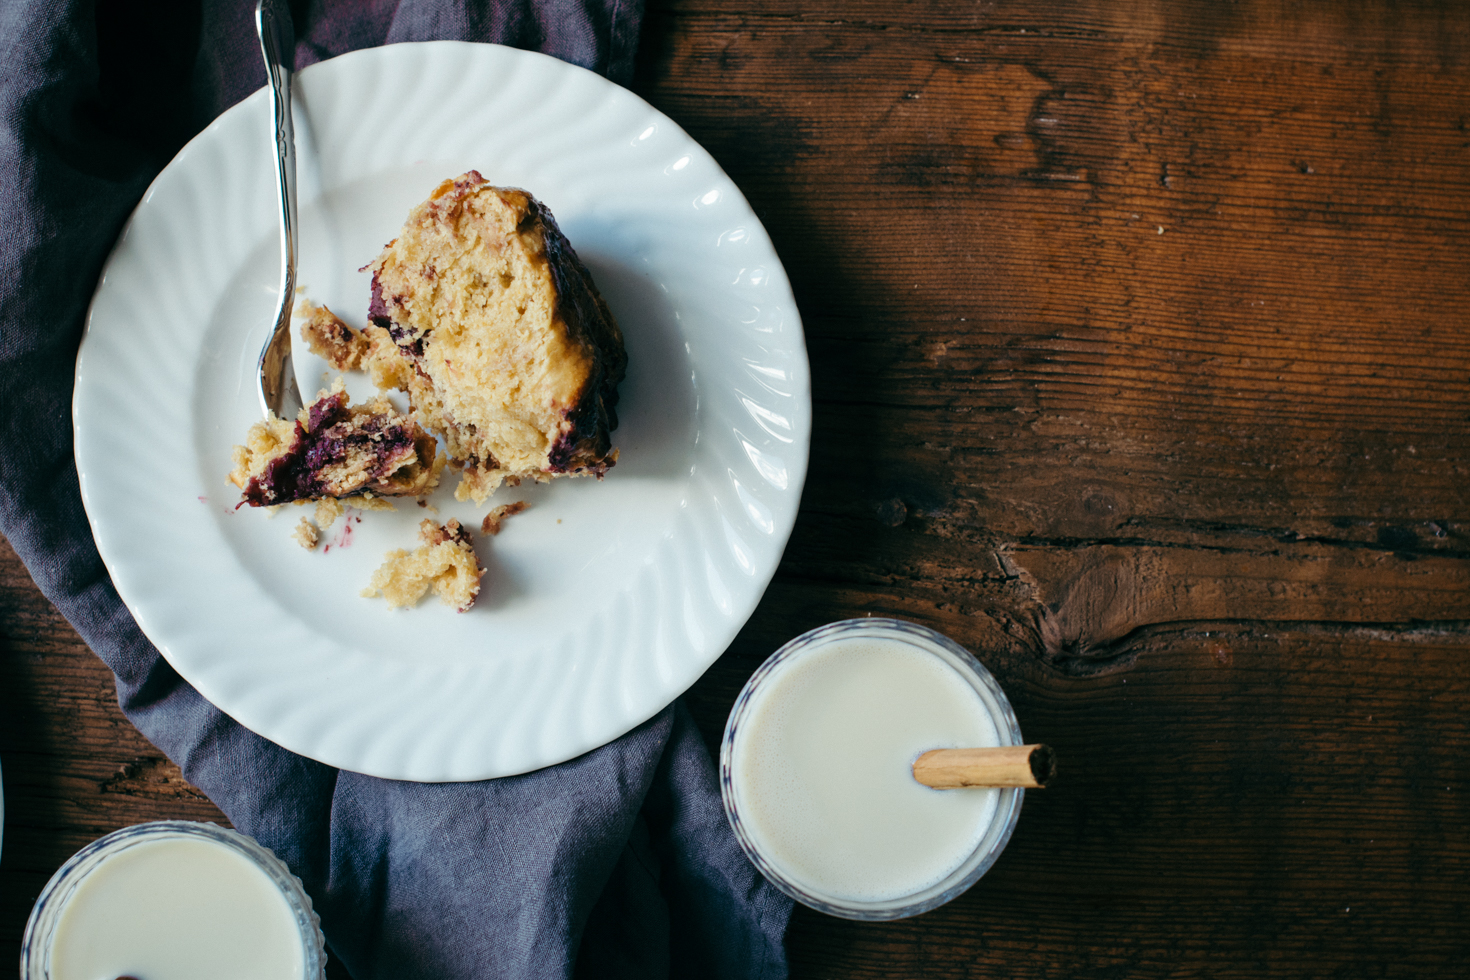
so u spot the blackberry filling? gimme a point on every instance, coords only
(336, 450)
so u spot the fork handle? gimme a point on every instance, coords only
(279, 394)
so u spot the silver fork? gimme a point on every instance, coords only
(279, 394)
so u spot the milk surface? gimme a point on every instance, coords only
(177, 909)
(822, 770)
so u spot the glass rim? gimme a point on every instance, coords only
(1002, 822)
(35, 949)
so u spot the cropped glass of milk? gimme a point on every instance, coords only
(818, 777)
(173, 901)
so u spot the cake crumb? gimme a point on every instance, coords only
(265, 441)
(446, 562)
(305, 534)
(369, 502)
(335, 449)
(491, 524)
(329, 338)
(347, 348)
(477, 483)
(328, 509)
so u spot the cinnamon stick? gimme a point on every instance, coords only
(1024, 766)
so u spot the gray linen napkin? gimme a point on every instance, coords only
(616, 864)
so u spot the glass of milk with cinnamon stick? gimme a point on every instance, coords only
(173, 900)
(819, 761)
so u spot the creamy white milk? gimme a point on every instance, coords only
(822, 771)
(177, 908)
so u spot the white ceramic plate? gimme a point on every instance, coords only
(603, 601)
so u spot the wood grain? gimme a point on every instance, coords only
(1141, 368)
(75, 768)
(1241, 803)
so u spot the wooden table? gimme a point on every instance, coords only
(1141, 367)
